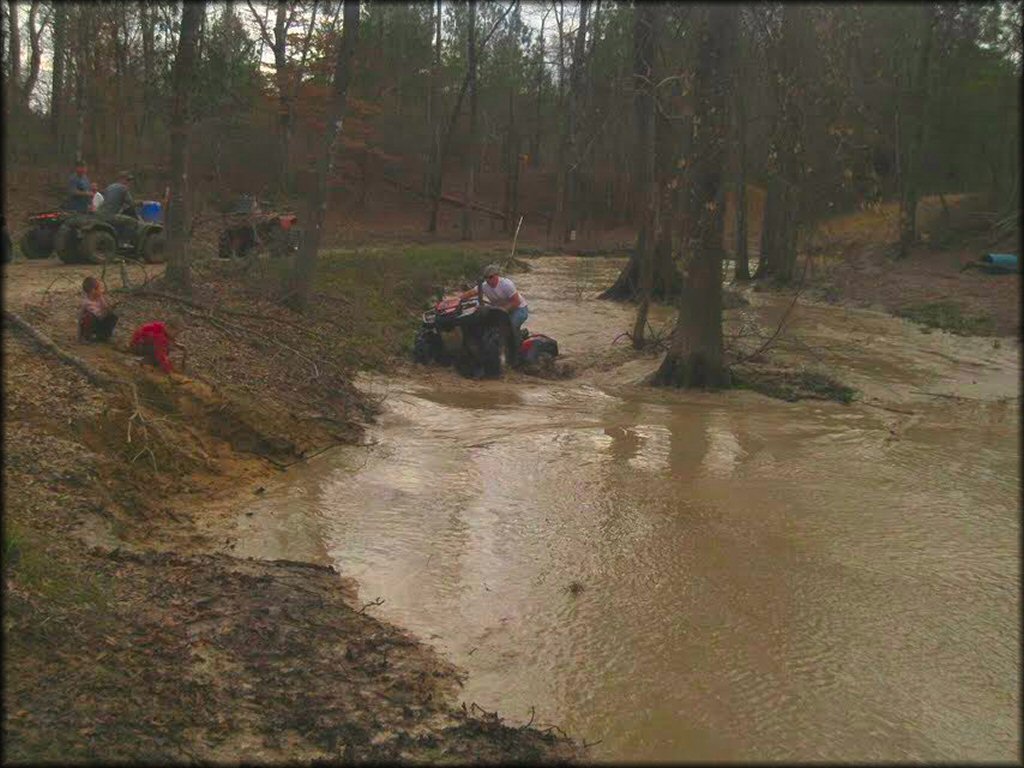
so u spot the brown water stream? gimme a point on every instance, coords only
(761, 580)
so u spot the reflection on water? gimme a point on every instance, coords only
(761, 580)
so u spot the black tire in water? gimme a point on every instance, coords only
(427, 348)
(492, 343)
(99, 246)
(153, 249)
(36, 244)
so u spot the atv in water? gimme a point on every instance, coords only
(477, 337)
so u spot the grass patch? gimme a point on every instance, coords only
(792, 385)
(29, 563)
(385, 291)
(948, 316)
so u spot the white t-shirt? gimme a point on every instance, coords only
(502, 292)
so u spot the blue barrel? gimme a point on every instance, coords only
(1006, 262)
(152, 210)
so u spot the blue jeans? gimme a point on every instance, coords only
(517, 317)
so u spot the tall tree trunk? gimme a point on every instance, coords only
(148, 22)
(35, 57)
(535, 140)
(782, 209)
(14, 60)
(60, 31)
(434, 104)
(644, 32)
(742, 267)
(178, 274)
(511, 160)
(120, 69)
(300, 285)
(695, 358)
(911, 171)
(284, 106)
(474, 138)
(81, 98)
(570, 158)
(442, 153)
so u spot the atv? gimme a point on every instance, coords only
(477, 337)
(85, 238)
(248, 230)
(37, 241)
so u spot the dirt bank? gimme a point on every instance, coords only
(853, 261)
(129, 633)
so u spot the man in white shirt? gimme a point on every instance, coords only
(501, 292)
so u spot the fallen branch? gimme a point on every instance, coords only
(782, 322)
(377, 601)
(93, 375)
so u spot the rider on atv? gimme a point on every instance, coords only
(501, 292)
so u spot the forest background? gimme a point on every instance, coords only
(464, 117)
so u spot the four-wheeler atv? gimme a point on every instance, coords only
(85, 238)
(479, 347)
(248, 230)
(477, 337)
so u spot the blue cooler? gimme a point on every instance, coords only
(152, 211)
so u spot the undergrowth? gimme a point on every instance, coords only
(948, 316)
(387, 289)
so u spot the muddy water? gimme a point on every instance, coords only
(689, 576)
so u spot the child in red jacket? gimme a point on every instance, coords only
(154, 341)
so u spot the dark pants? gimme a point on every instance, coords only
(98, 328)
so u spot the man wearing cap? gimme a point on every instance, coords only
(118, 207)
(502, 293)
(116, 197)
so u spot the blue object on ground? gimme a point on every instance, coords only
(152, 210)
(999, 263)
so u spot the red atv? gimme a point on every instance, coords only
(248, 230)
(477, 338)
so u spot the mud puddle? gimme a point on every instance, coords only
(688, 576)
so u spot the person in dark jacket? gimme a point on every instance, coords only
(118, 207)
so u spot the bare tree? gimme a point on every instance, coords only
(437, 174)
(571, 154)
(178, 274)
(14, 56)
(912, 136)
(300, 283)
(695, 358)
(473, 157)
(645, 31)
(60, 32)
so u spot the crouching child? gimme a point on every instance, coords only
(154, 342)
(96, 318)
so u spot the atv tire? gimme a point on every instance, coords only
(66, 245)
(98, 247)
(153, 250)
(33, 245)
(492, 344)
(428, 347)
